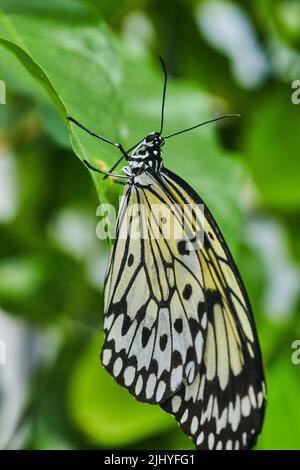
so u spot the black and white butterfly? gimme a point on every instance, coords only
(179, 331)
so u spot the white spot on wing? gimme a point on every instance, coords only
(245, 406)
(211, 441)
(176, 377)
(150, 385)
(139, 385)
(117, 366)
(106, 356)
(200, 438)
(176, 402)
(194, 425)
(260, 399)
(252, 396)
(199, 346)
(129, 375)
(229, 445)
(184, 416)
(160, 390)
(234, 414)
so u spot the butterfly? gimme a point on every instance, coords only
(179, 330)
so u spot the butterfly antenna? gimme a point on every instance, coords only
(202, 124)
(164, 94)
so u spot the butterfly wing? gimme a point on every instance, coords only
(178, 324)
(154, 297)
(224, 406)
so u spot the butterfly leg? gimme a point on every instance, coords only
(98, 136)
(107, 173)
(113, 167)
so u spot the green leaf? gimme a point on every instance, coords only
(33, 68)
(74, 57)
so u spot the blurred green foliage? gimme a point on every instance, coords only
(97, 61)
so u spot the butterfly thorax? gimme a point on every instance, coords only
(146, 155)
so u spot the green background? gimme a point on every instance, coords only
(97, 60)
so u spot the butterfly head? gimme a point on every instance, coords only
(154, 139)
(147, 154)
(150, 145)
